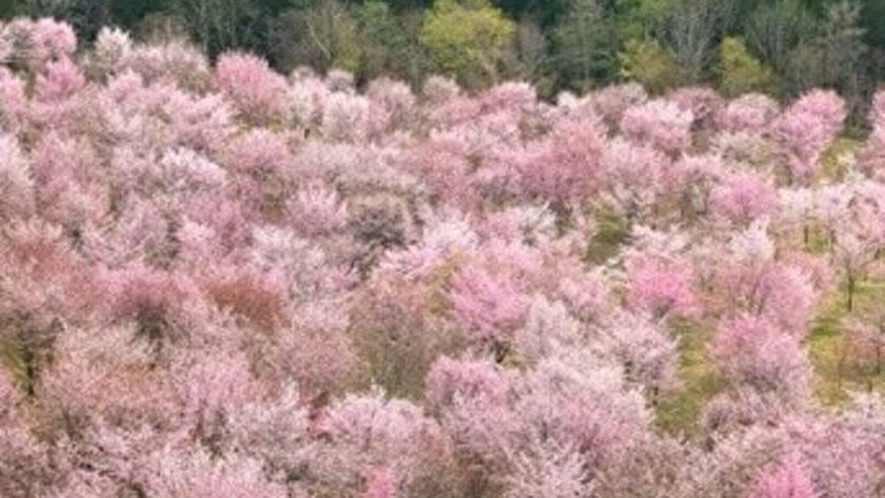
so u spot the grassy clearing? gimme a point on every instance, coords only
(612, 232)
(678, 412)
(836, 371)
(837, 368)
(832, 168)
(826, 350)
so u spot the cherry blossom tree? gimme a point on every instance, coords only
(634, 178)
(59, 80)
(757, 354)
(566, 165)
(257, 93)
(742, 198)
(806, 128)
(755, 282)
(490, 307)
(660, 123)
(362, 434)
(17, 188)
(661, 288)
(36, 42)
(750, 113)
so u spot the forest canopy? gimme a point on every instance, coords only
(784, 47)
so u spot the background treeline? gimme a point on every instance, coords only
(782, 47)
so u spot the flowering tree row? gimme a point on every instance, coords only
(218, 281)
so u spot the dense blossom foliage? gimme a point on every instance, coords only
(220, 282)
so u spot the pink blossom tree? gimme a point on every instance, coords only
(661, 288)
(742, 198)
(70, 191)
(450, 381)
(381, 483)
(659, 123)
(396, 103)
(327, 367)
(634, 177)
(749, 113)
(166, 308)
(853, 255)
(24, 466)
(705, 104)
(317, 211)
(17, 185)
(755, 353)
(257, 297)
(175, 62)
(489, 307)
(257, 93)
(566, 165)
(36, 42)
(14, 107)
(805, 130)
(867, 335)
(58, 81)
(613, 102)
(112, 46)
(346, 118)
(362, 434)
(750, 280)
(548, 469)
(262, 158)
(644, 348)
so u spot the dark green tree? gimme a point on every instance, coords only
(833, 57)
(640, 19)
(386, 47)
(322, 35)
(585, 46)
(740, 72)
(85, 16)
(470, 40)
(218, 25)
(775, 28)
(128, 13)
(694, 29)
(649, 63)
(533, 50)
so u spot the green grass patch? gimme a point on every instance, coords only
(817, 239)
(826, 352)
(836, 369)
(678, 412)
(612, 232)
(829, 162)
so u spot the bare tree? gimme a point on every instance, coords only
(217, 24)
(775, 28)
(694, 29)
